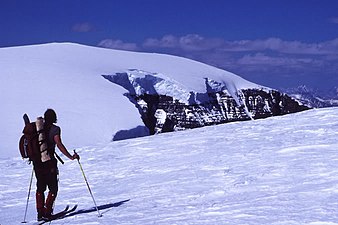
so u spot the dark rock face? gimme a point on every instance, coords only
(162, 113)
(180, 109)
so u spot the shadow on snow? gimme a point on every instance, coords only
(93, 209)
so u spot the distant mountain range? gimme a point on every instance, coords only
(314, 98)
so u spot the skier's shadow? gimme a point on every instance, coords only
(93, 209)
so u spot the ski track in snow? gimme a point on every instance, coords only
(280, 170)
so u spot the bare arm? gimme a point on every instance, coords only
(63, 149)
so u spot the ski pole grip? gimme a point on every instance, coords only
(75, 153)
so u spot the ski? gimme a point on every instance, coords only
(44, 221)
(59, 215)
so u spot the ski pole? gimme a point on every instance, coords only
(90, 191)
(29, 192)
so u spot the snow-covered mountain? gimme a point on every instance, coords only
(314, 98)
(277, 171)
(102, 94)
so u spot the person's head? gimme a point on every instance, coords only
(50, 116)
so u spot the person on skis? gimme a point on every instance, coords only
(47, 172)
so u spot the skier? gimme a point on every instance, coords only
(47, 172)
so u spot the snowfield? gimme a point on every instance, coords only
(280, 170)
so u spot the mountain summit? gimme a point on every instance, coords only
(102, 94)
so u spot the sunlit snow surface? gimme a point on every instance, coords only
(280, 170)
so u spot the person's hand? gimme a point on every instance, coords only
(76, 156)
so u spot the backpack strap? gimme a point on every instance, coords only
(47, 130)
(59, 158)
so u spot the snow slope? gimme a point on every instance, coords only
(68, 78)
(280, 170)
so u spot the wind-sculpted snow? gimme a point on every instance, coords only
(138, 82)
(278, 171)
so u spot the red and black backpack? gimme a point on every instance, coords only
(29, 141)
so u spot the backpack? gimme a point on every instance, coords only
(29, 142)
(33, 144)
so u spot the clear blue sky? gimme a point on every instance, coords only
(265, 41)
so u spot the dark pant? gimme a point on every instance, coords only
(47, 176)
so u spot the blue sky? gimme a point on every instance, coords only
(278, 43)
